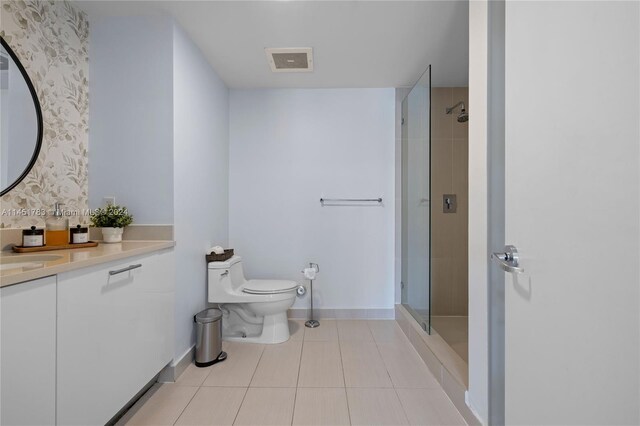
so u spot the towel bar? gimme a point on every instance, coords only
(353, 200)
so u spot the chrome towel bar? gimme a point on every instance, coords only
(352, 200)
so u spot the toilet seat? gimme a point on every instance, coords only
(269, 286)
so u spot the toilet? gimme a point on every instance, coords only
(254, 311)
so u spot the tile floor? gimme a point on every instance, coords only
(343, 372)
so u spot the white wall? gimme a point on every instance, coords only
(131, 116)
(478, 219)
(165, 151)
(201, 177)
(288, 148)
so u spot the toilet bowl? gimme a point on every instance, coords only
(254, 311)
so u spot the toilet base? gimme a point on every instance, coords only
(275, 329)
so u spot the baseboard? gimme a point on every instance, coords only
(447, 366)
(373, 313)
(175, 369)
(116, 419)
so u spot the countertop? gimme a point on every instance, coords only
(72, 259)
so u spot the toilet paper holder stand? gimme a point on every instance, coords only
(312, 322)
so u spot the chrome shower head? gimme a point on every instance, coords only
(463, 116)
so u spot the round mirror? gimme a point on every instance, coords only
(20, 121)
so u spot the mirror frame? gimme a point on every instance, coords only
(36, 103)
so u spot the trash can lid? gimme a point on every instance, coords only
(208, 315)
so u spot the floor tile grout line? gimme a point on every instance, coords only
(295, 396)
(344, 380)
(404, 411)
(248, 386)
(256, 367)
(185, 407)
(412, 349)
(246, 390)
(205, 377)
(393, 385)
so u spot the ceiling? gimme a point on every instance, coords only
(355, 43)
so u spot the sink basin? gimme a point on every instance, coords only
(27, 261)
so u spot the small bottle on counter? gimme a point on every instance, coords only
(57, 228)
(32, 237)
(79, 235)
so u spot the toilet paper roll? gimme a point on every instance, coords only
(216, 250)
(309, 273)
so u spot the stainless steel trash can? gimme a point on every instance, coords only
(209, 337)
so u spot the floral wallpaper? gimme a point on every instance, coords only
(51, 38)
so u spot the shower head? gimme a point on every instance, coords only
(463, 116)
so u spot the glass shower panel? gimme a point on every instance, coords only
(416, 147)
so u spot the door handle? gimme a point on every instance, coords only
(508, 261)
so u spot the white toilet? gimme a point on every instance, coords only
(254, 311)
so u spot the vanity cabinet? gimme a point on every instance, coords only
(28, 353)
(114, 332)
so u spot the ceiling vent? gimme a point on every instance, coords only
(290, 59)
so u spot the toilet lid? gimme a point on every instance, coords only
(269, 286)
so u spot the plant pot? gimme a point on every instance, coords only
(112, 235)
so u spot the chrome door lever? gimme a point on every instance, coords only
(509, 260)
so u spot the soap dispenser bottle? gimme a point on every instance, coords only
(57, 228)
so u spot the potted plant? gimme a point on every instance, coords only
(112, 219)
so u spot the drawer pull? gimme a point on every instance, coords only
(128, 268)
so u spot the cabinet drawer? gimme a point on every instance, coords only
(115, 333)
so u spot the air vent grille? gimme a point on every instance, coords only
(290, 59)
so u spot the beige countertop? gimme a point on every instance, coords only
(39, 264)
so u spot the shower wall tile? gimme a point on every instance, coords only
(441, 286)
(441, 122)
(449, 231)
(441, 165)
(442, 225)
(460, 155)
(460, 289)
(442, 233)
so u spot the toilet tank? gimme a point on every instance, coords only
(224, 278)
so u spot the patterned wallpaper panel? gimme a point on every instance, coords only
(51, 38)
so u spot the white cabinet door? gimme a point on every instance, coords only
(115, 333)
(28, 353)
